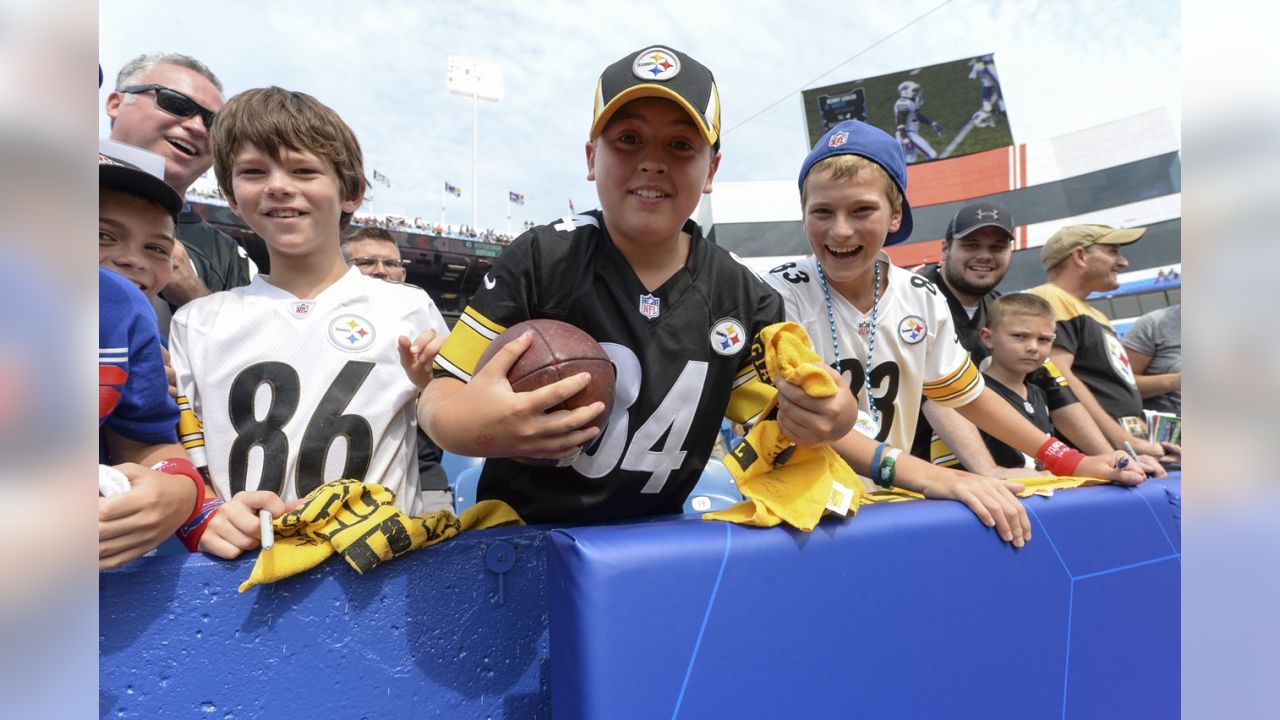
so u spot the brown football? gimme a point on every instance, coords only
(559, 350)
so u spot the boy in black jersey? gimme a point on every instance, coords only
(675, 313)
(1019, 335)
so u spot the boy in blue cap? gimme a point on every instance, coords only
(892, 332)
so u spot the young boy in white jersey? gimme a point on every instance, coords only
(891, 330)
(1019, 333)
(675, 313)
(306, 375)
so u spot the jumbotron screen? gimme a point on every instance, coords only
(938, 111)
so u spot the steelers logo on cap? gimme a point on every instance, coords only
(351, 333)
(656, 64)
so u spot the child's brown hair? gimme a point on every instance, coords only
(273, 119)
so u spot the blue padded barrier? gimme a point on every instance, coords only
(909, 610)
(422, 636)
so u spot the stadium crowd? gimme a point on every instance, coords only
(931, 382)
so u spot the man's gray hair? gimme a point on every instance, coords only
(143, 64)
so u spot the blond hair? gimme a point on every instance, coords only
(273, 119)
(1017, 304)
(848, 167)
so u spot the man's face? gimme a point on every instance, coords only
(376, 258)
(974, 264)
(1102, 266)
(182, 142)
(135, 239)
(651, 166)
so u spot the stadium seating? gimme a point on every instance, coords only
(715, 490)
(464, 487)
(454, 465)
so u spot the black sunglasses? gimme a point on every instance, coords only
(174, 102)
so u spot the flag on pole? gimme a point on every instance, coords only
(380, 178)
(452, 189)
(571, 210)
(515, 197)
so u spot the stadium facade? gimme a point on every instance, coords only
(1125, 173)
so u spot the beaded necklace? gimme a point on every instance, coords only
(871, 342)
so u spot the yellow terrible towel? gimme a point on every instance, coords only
(798, 490)
(358, 521)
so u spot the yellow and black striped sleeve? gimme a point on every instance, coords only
(467, 342)
(958, 387)
(749, 396)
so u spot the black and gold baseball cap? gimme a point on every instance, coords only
(661, 72)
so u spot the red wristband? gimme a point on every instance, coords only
(193, 530)
(183, 466)
(1058, 457)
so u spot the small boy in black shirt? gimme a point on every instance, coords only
(1019, 334)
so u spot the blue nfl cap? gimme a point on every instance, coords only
(857, 138)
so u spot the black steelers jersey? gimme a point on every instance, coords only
(682, 355)
(1101, 362)
(1035, 408)
(926, 444)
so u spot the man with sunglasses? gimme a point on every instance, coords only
(166, 103)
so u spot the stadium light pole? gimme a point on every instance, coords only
(480, 81)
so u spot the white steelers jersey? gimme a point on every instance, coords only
(916, 350)
(295, 393)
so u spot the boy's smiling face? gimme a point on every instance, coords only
(651, 165)
(847, 221)
(135, 239)
(294, 202)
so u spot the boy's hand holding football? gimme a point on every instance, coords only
(499, 422)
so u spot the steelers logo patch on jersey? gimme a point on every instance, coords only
(656, 63)
(912, 329)
(728, 337)
(1119, 358)
(351, 333)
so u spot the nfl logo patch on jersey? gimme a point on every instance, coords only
(650, 306)
(912, 329)
(351, 333)
(838, 139)
(302, 308)
(727, 337)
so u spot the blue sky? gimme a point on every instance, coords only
(1064, 65)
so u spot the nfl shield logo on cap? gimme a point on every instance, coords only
(838, 139)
